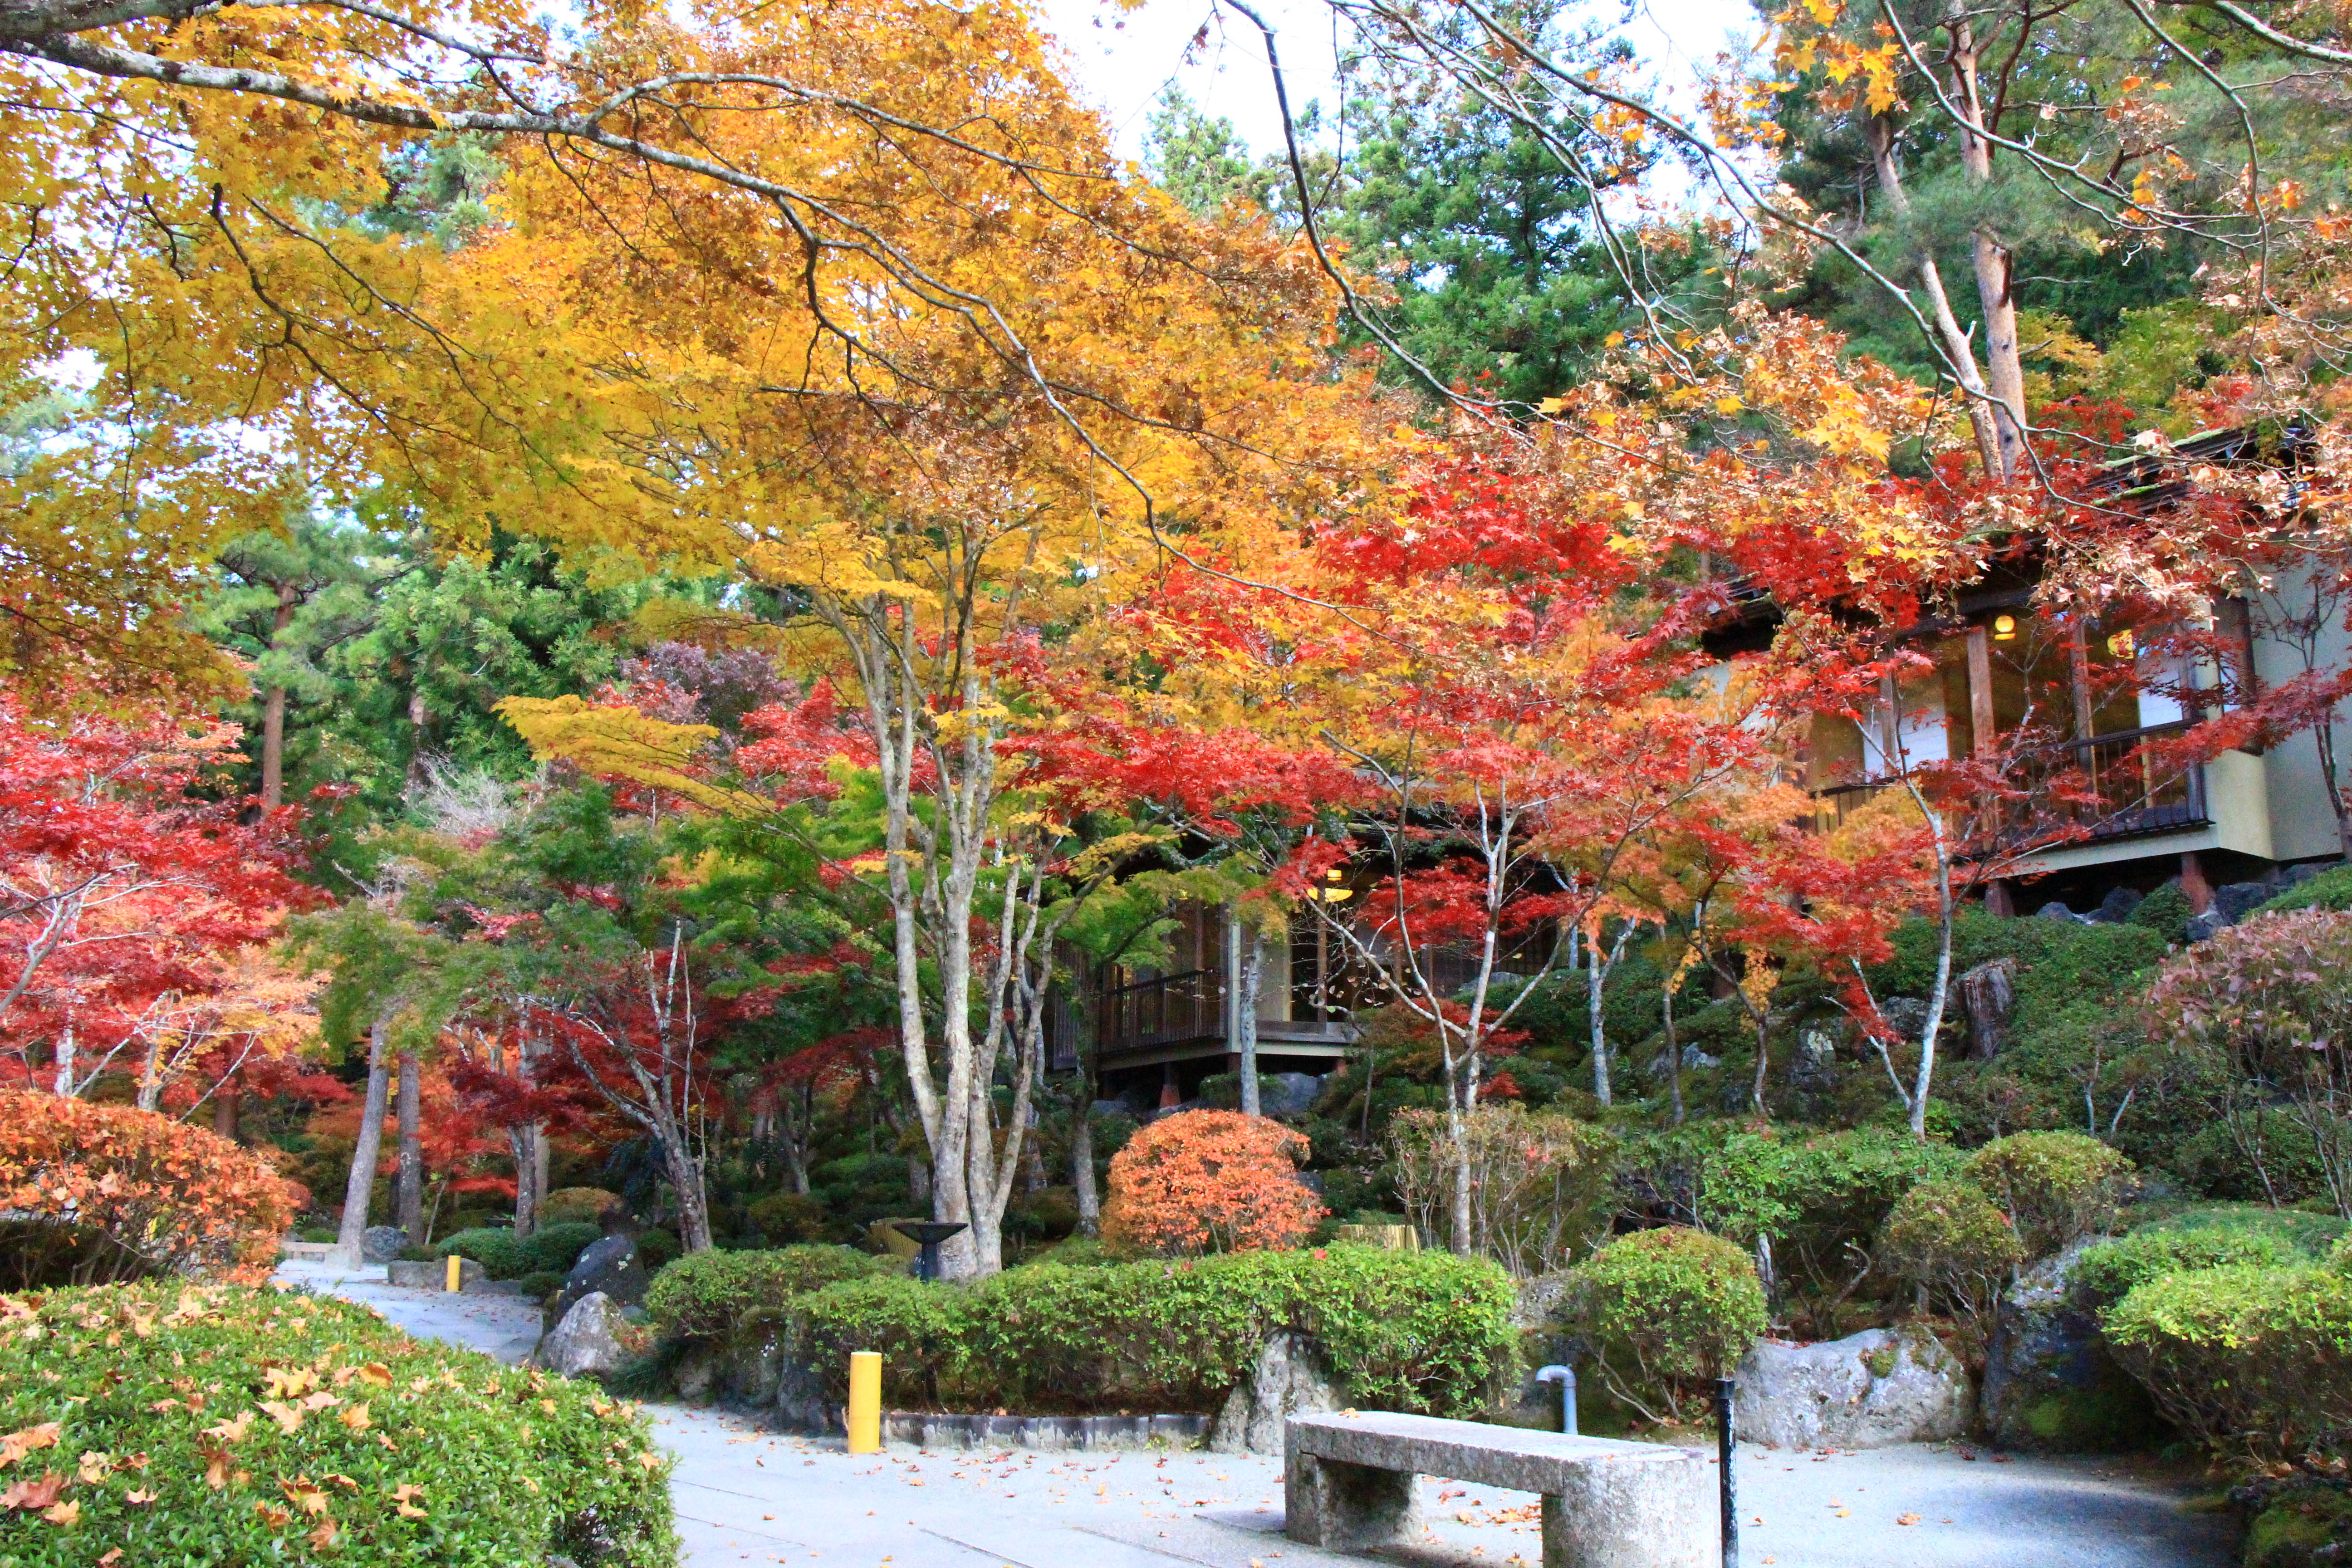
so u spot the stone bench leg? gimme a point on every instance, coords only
(1348, 1508)
(1632, 1516)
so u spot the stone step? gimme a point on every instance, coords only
(1048, 1433)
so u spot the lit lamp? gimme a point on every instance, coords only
(1335, 895)
(2004, 628)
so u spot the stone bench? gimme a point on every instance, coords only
(1348, 1484)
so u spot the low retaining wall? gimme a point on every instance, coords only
(1048, 1433)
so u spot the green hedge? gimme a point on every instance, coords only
(1418, 1332)
(498, 1251)
(554, 1248)
(310, 1413)
(2244, 1358)
(2113, 1270)
(711, 1294)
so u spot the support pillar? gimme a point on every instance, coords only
(1349, 1508)
(2193, 882)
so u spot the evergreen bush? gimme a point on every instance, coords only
(215, 1428)
(2245, 1358)
(1667, 1311)
(498, 1251)
(1952, 1242)
(1418, 1332)
(2055, 1187)
(554, 1248)
(712, 1294)
(571, 1206)
(2108, 1272)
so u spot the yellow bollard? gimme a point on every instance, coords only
(455, 1264)
(864, 1402)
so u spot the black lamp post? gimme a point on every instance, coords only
(927, 1233)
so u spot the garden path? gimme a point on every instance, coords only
(749, 1496)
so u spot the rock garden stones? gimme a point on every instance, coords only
(587, 1341)
(382, 1243)
(1869, 1390)
(2049, 1382)
(610, 1267)
(1292, 1377)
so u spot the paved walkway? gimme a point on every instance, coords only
(749, 1496)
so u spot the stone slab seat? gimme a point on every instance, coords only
(1348, 1485)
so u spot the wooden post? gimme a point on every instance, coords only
(2193, 882)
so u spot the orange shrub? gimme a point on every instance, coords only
(93, 1194)
(1209, 1181)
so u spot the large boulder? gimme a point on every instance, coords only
(2049, 1382)
(587, 1343)
(610, 1267)
(1292, 1377)
(1868, 1390)
(801, 1404)
(382, 1243)
(1288, 1093)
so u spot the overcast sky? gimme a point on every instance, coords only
(1122, 59)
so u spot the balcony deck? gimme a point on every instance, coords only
(2102, 789)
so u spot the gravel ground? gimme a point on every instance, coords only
(749, 1496)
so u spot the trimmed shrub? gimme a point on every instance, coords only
(2165, 911)
(232, 1426)
(575, 1205)
(2311, 1235)
(2245, 1359)
(103, 1193)
(657, 1250)
(1418, 1332)
(2055, 1187)
(498, 1251)
(1667, 1311)
(1208, 1181)
(785, 1218)
(554, 1248)
(917, 1326)
(541, 1284)
(1949, 1240)
(712, 1294)
(2330, 889)
(2113, 1270)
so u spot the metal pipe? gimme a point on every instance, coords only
(1723, 1442)
(1566, 1377)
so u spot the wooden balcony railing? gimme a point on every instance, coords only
(2091, 790)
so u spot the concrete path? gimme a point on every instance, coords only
(745, 1495)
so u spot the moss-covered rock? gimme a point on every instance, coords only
(2051, 1385)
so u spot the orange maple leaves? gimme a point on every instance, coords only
(1209, 1181)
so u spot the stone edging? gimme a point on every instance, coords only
(1048, 1433)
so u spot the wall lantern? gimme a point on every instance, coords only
(2004, 628)
(1336, 895)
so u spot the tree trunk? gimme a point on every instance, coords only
(1959, 352)
(1246, 1017)
(273, 709)
(62, 1085)
(1597, 972)
(224, 1105)
(1673, 1047)
(1995, 267)
(521, 1142)
(685, 1175)
(358, 1187)
(410, 1200)
(1082, 1168)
